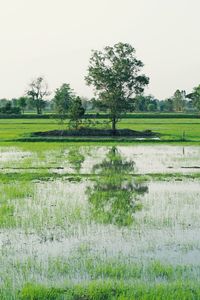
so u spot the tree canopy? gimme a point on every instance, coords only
(76, 112)
(63, 99)
(115, 75)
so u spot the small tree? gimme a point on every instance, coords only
(76, 112)
(22, 103)
(115, 75)
(37, 90)
(152, 107)
(10, 109)
(62, 100)
(178, 101)
(195, 97)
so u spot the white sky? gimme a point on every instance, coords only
(54, 38)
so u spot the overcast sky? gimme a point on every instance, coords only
(54, 38)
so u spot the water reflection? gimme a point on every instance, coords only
(115, 195)
(76, 159)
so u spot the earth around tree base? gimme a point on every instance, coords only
(97, 132)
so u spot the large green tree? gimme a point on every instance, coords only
(37, 91)
(115, 75)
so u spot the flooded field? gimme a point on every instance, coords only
(76, 215)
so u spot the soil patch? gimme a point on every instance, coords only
(96, 133)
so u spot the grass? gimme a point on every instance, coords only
(115, 291)
(174, 130)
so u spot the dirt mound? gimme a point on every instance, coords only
(96, 133)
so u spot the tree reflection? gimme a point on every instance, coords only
(115, 195)
(76, 159)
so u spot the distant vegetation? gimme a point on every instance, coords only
(115, 74)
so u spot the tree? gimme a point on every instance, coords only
(115, 75)
(166, 105)
(22, 103)
(3, 102)
(37, 90)
(144, 103)
(178, 100)
(62, 99)
(87, 103)
(10, 109)
(76, 112)
(195, 97)
(152, 107)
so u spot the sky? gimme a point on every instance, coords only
(54, 39)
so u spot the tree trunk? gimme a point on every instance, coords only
(113, 125)
(38, 110)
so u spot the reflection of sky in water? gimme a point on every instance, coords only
(12, 154)
(148, 159)
(159, 159)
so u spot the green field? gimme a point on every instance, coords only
(170, 129)
(112, 220)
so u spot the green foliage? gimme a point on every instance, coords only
(106, 290)
(105, 116)
(114, 73)
(166, 105)
(152, 107)
(76, 112)
(36, 292)
(22, 103)
(178, 100)
(8, 109)
(144, 103)
(195, 96)
(62, 100)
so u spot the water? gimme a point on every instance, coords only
(68, 228)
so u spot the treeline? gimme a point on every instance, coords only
(180, 102)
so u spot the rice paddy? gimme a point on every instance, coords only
(99, 222)
(109, 220)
